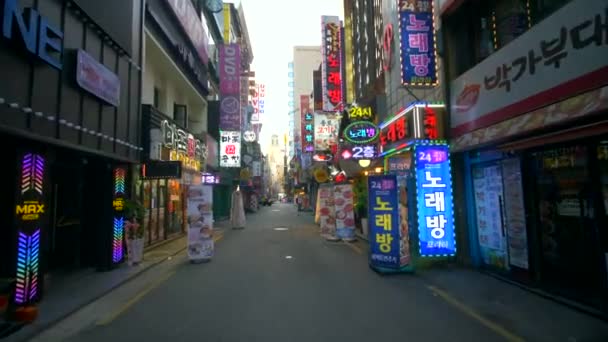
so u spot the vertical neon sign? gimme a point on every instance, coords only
(29, 212)
(119, 220)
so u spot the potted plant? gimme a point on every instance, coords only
(134, 230)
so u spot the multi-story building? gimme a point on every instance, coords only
(305, 60)
(292, 109)
(276, 163)
(175, 87)
(528, 99)
(70, 113)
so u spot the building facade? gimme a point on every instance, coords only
(70, 116)
(174, 107)
(528, 98)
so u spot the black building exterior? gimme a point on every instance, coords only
(69, 119)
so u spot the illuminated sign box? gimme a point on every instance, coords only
(161, 170)
(435, 199)
(420, 120)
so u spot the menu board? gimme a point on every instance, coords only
(515, 216)
(345, 215)
(200, 223)
(487, 184)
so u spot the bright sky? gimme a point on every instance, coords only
(275, 27)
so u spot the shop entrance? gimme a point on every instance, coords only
(565, 199)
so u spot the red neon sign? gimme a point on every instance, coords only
(430, 124)
(395, 131)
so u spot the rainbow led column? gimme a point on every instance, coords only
(29, 212)
(119, 221)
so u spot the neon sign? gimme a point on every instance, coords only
(332, 63)
(418, 43)
(361, 132)
(360, 152)
(435, 200)
(119, 221)
(393, 132)
(29, 214)
(360, 113)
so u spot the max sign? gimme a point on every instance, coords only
(35, 32)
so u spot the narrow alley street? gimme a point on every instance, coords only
(268, 283)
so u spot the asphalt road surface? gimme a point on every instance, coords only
(267, 285)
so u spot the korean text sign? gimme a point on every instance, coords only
(307, 128)
(383, 221)
(326, 128)
(331, 68)
(434, 197)
(563, 54)
(230, 149)
(418, 59)
(230, 84)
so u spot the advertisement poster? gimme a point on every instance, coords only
(327, 217)
(326, 128)
(345, 215)
(400, 167)
(515, 215)
(487, 184)
(383, 222)
(200, 222)
(435, 203)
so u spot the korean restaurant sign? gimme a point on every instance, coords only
(383, 208)
(230, 83)
(331, 67)
(192, 25)
(230, 149)
(418, 51)
(563, 55)
(182, 142)
(435, 204)
(326, 128)
(257, 102)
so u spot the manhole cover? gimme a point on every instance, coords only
(280, 228)
(276, 210)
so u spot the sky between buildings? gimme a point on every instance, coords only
(275, 27)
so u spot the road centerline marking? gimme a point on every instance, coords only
(126, 306)
(503, 332)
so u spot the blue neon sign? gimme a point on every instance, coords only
(435, 200)
(383, 210)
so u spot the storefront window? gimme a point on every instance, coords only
(511, 21)
(564, 193)
(162, 199)
(175, 207)
(154, 211)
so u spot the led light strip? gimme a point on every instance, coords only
(119, 181)
(119, 225)
(27, 267)
(32, 170)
